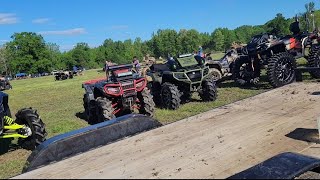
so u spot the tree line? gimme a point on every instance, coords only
(28, 52)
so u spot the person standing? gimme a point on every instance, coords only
(136, 64)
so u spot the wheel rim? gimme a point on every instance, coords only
(215, 75)
(284, 70)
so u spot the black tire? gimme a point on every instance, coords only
(209, 91)
(215, 74)
(156, 93)
(242, 70)
(89, 112)
(104, 110)
(170, 96)
(186, 97)
(147, 105)
(8, 87)
(30, 118)
(314, 61)
(280, 69)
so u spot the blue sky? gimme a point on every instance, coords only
(66, 22)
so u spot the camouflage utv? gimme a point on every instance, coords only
(173, 83)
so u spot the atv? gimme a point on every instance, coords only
(222, 68)
(122, 93)
(175, 81)
(63, 75)
(279, 55)
(27, 127)
(5, 84)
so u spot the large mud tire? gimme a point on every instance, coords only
(314, 61)
(147, 105)
(31, 119)
(170, 95)
(280, 69)
(209, 91)
(242, 71)
(104, 110)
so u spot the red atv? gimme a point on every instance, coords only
(123, 93)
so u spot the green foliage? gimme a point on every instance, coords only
(278, 26)
(218, 39)
(27, 52)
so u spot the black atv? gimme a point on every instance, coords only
(5, 84)
(222, 68)
(27, 127)
(279, 55)
(120, 94)
(63, 75)
(175, 81)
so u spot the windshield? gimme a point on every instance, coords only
(187, 61)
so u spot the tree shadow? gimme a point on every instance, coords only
(6, 146)
(306, 135)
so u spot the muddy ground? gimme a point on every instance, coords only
(215, 144)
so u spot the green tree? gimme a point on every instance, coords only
(164, 42)
(278, 26)
(28, 53)
(188, 41)
(218, 40)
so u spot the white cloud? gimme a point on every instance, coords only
(3, 41)
(8, 18)
(40, 21)
(119, 27)
(68, 32)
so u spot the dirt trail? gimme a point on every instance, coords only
(215, 144)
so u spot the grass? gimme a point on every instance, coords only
(58, 103)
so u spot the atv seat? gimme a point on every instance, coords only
(159, 67)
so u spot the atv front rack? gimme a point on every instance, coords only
(79, 141)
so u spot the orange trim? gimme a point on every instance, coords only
(292, 43)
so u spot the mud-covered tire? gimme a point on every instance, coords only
(104, 110)
(242, 70)
(314, 61)
(280, 69)
(147, 105)
(90, 113)
(31, 118)
(209, 91)
(170, 96)
(8, 87)
(215, 74)
(186, 97)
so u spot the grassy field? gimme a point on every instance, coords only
(59, 102)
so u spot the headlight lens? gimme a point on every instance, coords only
(140, 85)
(113, 90)
(180, 75)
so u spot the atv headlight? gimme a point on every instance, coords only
(180, 76)
(112, 90)
(140, 84)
